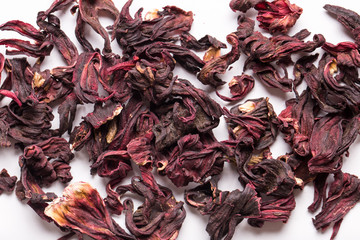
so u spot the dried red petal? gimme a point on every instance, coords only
(342, 197)
(239, 86)
(277, 16)
(82, 209)
(7, 182)
(226, 209)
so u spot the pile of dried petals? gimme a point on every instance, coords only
(144, 116)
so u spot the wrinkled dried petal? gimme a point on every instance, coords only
(270, 176)
(103, 113)
(349, 19)
(257, 46)
(270, 76)
(31, 122)
(204, 43)
(62, 170)
(297, 122)
(7, 182)
(218, 65)
(194, 111)
(226, 209)
(89, 13)
(58, 38)
(252, 123)
(346, 53)
(82, 209)
(320, 189)
(239, 86)
(274, 210)
(19, 82)
(86, 77)
(112, 164)
(342, 197)
(277, 16)
(67, 112)
(331, 137)
(159, 217)
(242, 5)
(37, 159)
(194, 159)
(133, 32)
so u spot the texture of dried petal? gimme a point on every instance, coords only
(297, 122)
(252, 123)
(330, 139)
(112, 164)
(342, 197)
(194, 159)
(277, 16)
(7, 182)
(31, 122)
(348, 18)
(274, 210)
(82, 209)
(242, 5)
(239, 86)
(89, 13)
(257, 46)
(218, 65)
(226, 209)
(159, 217)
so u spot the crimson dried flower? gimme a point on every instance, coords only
(242, 5)
(31, 122)
(204, 43)
(195, 158)
(57, 37)
(331, 137)
(82, 209)
(257, 46)
(37, 159)
(239, 86)
(270, 75)
(7, 182)
(278, 15)
(159, 217)
(349, 19)
(252, 123)
(132, 33)
(346, 53)
(342, 196)
(218, 65)
(226, 209)
(88, 14)
(112, 164)
(297, 121)
(273, 210)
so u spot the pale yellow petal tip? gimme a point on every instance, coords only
(247, 107)
(151, 15)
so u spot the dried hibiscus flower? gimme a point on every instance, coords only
(159, 217)
(277, 16)
(242, 5)
(239, 86)
(7, 182)
(82, 209)
(225, 209)
(195, 158)
(349, 19)
(342, 196)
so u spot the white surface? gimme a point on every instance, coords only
(214, 17)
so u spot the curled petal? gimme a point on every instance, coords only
(82, 209)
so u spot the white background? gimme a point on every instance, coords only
(214, 17)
